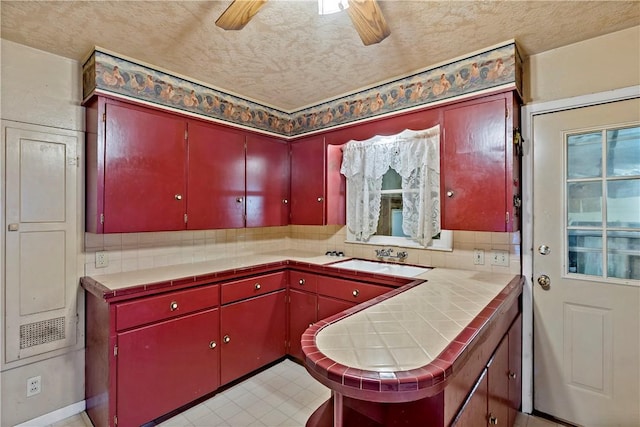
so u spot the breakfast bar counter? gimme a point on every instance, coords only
(415, 356)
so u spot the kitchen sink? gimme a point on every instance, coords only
(381, 267)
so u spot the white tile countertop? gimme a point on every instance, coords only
(411, 329)
(116, 281)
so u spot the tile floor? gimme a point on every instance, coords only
(283, 395)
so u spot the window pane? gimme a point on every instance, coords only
(623, 152)
(389, 222)
(623, 254)
(585, 252)
(584, 155)
(584, 203)
(391, 180)
(623, 203)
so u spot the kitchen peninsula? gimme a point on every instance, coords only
(187, 330)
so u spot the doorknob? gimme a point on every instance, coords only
(544, 281)
(544, 250)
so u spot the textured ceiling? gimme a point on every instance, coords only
(288, 56)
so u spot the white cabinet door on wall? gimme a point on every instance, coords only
(41, 166)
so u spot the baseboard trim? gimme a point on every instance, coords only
(55, 416)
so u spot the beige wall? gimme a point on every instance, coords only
(600, 64)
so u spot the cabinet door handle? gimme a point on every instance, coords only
(301, 282)
(178, 196)
(320, 199)
(513, 375)
(212, 345)
(449, 194)
(355, 293)
(173, 306)
(257, 286)
(226, 339)
(285, 201)
(239, 199)
(493, 420)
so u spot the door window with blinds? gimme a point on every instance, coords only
(603, 204)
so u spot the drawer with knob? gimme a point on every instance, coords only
(303, 281)
(349, 290)
(254, 286)
(165, 306)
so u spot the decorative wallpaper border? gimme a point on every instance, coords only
(107, 73)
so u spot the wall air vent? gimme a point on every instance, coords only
(42, 332)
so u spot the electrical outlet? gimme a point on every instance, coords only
(478, 256)
(34, 386)
(500, 258)
(102, 259)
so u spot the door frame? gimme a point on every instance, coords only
(529, 111)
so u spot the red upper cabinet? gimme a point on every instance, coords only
(267, 174)
(479, 171)
(317, 188)
(216, 178)
(144, 170)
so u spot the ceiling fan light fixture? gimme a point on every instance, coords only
(325, 7)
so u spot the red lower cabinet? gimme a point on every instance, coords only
(498, 385)
(253, 334)
(515, 369)
(327, 307)
(474, 411)
(302, 313)
(165, 365)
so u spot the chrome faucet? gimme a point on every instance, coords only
(387, 253)
(402, 255)
(383, 252)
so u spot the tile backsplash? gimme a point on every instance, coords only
(137, 251)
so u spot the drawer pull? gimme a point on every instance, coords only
(178, 196)
(173, 306)
(301, 282)
(212, 345)
(512, 375)
(226, 339)
(257, 286)
(493, 420)
(355, 293)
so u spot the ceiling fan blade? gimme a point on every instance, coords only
(239, 13)
(368, 20)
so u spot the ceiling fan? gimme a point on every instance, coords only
(365, 15)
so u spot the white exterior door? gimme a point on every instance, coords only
(41, 243)
(586, 264)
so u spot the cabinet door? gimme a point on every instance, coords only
(267, 182)
(216, 179)
(144, 176)
(307, 181)
(166, 365)
(474, 410)
(327, 307)
(302, 313)
(473, 167)
(253, 334)
(498, 385)
(515, 368)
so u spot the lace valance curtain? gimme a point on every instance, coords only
(415, 155)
